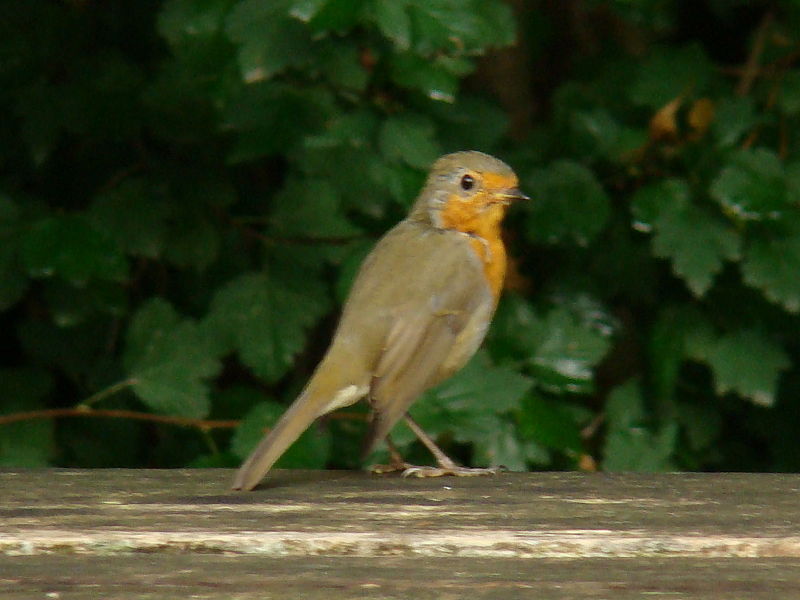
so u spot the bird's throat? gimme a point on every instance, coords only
(482, 227)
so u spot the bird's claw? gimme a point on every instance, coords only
(455, 471)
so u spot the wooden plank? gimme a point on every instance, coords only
(556, 535)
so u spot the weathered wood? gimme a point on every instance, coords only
(148, 534)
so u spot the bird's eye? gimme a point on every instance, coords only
(467, 181)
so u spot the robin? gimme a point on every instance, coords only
(418, 310)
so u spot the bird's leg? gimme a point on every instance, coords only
(396, 461)
(447, 466)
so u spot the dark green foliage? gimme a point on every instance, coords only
(187, 188)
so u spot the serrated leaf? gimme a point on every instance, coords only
(265, 320)
(747, 363)
(696, 243)
(566, 351)
(170, 359)
(569, 204)
(630, 445)
(652, 202)
(470, 404)
(410, 139)
(753, 186)
(772, 265)
(269, 39)
(70, 247)
(310, 451)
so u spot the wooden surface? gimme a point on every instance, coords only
(161, 534)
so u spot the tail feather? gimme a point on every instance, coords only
(289, 427)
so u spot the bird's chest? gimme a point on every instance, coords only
(481, 231)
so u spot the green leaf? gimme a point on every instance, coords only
(549, 423)
(771, 264)
(470, 122)
(269, 39)
(657, 200)
(310, 208)
(181, 21)
(469, 26)
(70, 247)
(410, 139)
(696, 242)
(25, 443)
(135, 215)
(431, 77)
(265, 320)
(393, 21)
(310, 451)
(325, 15)
(70, 305)
(749, 364)
(733, 117)
(272, 118)
(566, 351)
(753, 186)
(169, 359)
(193, 241)
(669, 73)
(569, 204)
(340, 63)
(505, 448)
(630, 445)
(470, 404)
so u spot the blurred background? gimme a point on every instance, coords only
(187, 188)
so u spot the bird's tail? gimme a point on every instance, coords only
(330, 388)
(289, 427)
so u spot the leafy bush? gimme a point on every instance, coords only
(188, 187)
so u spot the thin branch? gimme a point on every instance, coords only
(752, 66)
(85, 411)
(109, 391)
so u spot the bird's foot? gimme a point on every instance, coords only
(393, 467)
(454, 470)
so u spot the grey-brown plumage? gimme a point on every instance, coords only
(418, 309)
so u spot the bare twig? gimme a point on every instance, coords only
(85, 411)
(752, 66)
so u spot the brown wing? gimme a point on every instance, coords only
(428, 316)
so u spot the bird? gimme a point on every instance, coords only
(418, 309)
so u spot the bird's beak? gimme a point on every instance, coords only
(513, 195)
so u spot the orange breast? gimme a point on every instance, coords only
(483, 227)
